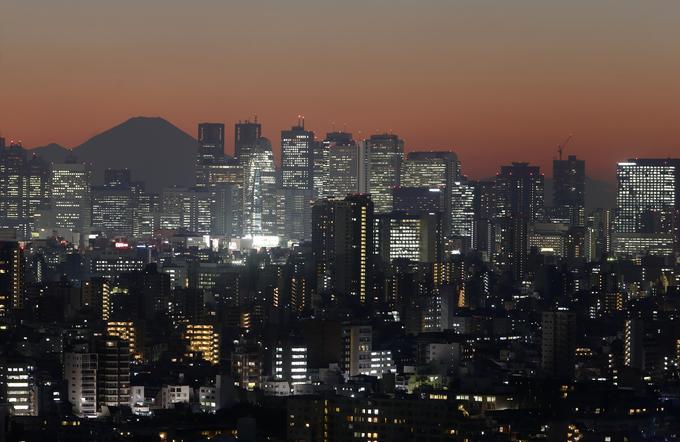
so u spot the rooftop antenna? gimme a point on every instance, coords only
(256, 118)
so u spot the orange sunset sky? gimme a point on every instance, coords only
(495, 80)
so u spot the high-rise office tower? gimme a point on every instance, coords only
(484, 207)
(246, 134)
(320, 168)
(509, 246)
(433, 169)
(210, 150)
(297, 157)
(188, 209)
(260, 217)
(406, 236)
(430, 169)
(210, 161)
(558, 343)
(37, 192)
(112, 204)
(112, 211)
(227, 193)
(569, 181)
(13, 185)
(646, 186)
(462, 209)
(70, 189)
(384, 154)
(323, 243)
(11, 277)
(297, 161)
(418, 200)
(602, 225)
(294, 208)
(519, 190)
(146, 213)
(343, 165)
(342, 241)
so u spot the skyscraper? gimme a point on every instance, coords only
(210, 150)
(343, 165)
(37, 191)
(462, 209)
(227, 184)
(246, 133)
(112, 204)
(407, 236)
(13, 185)
(342, 239)
(646, 186)
(297, 157)
(320, 168)
(433, 170)
(259, 190)
(519, 190)
(430, 169)
(384, 154)
(418, 200)
(70, 188)
(510, 245)
(188, 209)
(294, 213)
(297, 181)
(569, 181)
(11, 277)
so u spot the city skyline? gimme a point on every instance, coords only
(354, 220)
(506, 80)
(545, 162)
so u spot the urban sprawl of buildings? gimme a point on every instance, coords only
(356, 292)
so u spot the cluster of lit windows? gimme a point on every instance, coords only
(643, 186)
(384, 157)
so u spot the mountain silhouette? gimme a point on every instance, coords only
(53, 152)
(155, 151)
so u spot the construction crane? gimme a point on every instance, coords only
(560, 147)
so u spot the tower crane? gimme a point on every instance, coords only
(560, 147)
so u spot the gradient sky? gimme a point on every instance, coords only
(496, 80)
